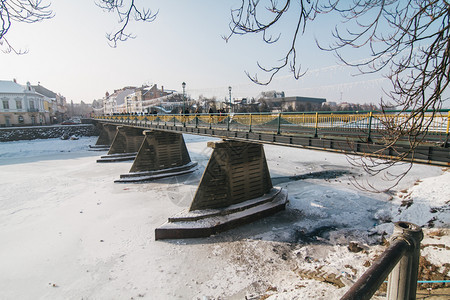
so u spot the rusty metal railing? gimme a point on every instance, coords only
(400, 261)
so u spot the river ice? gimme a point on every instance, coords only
(69, 232)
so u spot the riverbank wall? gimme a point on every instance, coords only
(46, 132)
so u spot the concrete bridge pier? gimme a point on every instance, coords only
(106, 137)
(235, 189)
(162, 154)
(125, 145)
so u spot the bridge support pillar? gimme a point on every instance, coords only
(125, 145)
(162, 154)
(106, 137)
(235, 189)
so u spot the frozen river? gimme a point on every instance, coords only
(69, 232)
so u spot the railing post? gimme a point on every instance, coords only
(196, 121)
(402, 281)
(448, 122)
(228, 122)
(251, 118)
(448, 127)
(279, 124)
(210, 121)
(316, 125)
(369, 137)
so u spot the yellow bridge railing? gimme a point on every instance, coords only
(366, 123)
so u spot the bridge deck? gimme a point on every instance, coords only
(359, 135)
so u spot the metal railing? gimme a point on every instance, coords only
(361, 124)
(400, 261)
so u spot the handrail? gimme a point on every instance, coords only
(400, 261)
(364, 123)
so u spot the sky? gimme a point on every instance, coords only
(70, 55)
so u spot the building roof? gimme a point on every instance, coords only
(43, 91)
(11, 87)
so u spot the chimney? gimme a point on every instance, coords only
(162, 89)
(15, 81)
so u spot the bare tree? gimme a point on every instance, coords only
(408, 42)
(408, 39)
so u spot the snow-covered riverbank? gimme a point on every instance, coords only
(69, 232)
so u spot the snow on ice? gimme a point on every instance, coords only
(69, 232)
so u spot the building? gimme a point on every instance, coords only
(242, 105)
(54, 103)
(115, 103)
(21, 105)
(295, 103)
(146, 97)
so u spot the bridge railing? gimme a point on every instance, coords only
(362, 124)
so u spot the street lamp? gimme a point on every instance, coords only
(184, 99)
(229, 90)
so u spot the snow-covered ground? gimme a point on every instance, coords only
(67, 231)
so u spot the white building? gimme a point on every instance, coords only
(21, 105)
(115, 103)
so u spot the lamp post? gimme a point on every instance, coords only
(184, 100)
(229, 90)
(184, 86)
(229, 111)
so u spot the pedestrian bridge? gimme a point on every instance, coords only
(352, 133)
(236, 187)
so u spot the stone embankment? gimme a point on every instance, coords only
(46, 132)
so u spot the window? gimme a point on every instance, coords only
(19, 104)
(20, 119)
(31, 104)
(5, 104)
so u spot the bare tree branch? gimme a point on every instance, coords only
(125, 13)
(32, 11)
(24, 11)
(246, 19)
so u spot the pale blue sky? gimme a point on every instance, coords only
(69, 54)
